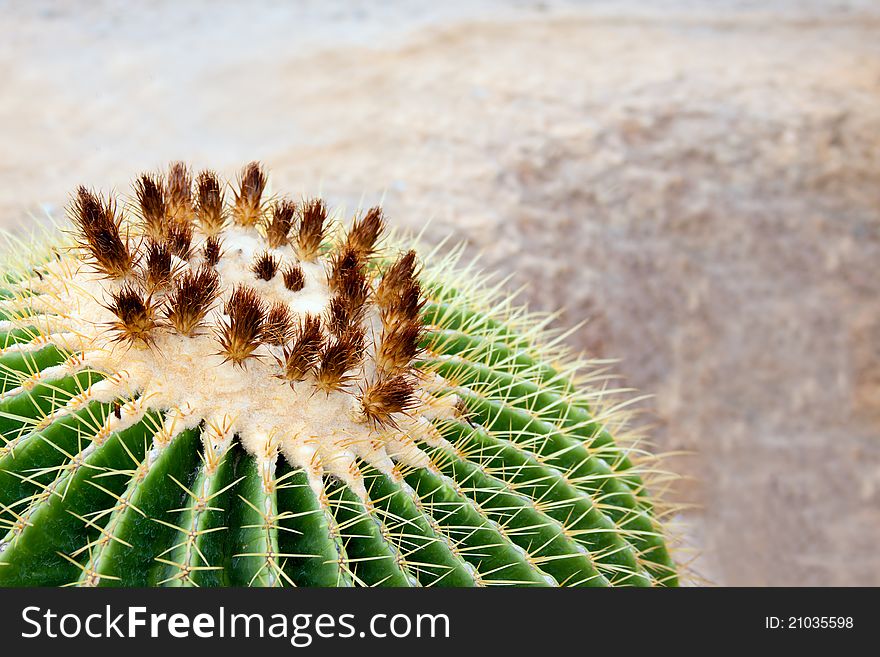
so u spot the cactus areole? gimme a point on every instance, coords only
(208, 385)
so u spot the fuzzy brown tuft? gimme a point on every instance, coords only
(278, 327)
(179, 238)
(406, 306)
(294, 279)
(301, 356)
(397, 278)
(158, 269)
(280, 223)
(136, 315)
(348, 279)
(242, 332)
(398, 346)
(265, 266)
(387, 396)
(189, 302)
(365, 232)
(99, 235)
(312, 229)
(338, 358)
(154, 210)
(344, 264)
(342, 315)
(178, 193)
(209, 209)
(212, 251)
(247, 209)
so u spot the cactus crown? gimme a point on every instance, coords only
(356, 424)
(213, 338)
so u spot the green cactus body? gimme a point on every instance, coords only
(197, 392)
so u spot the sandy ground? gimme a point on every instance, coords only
(701, 180)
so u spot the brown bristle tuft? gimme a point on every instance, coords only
(398, 277)
(405, 306)
(344, 263)
(294, 279)
(99, 234)
(191, 299)
(365, 232)
(338, 358)
(179, 239)
(301, 356)
(398, 346)
(387, 396)
(278, 327)
(210, 203)
(337, 317)
(247, 209)
(154, 210)
(355, 289)
(280, 223)
(242, 332)
(136, 315)
(178, 193)
(266, 266)
(212, 251)
(341, 315)
(158, 268)
(348, 278)
(312, 229)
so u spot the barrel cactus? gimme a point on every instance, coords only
(205, 384)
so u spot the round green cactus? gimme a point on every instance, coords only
(212, 392)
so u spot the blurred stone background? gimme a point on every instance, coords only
(699, 179)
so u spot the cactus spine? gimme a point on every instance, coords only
(207, 391)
